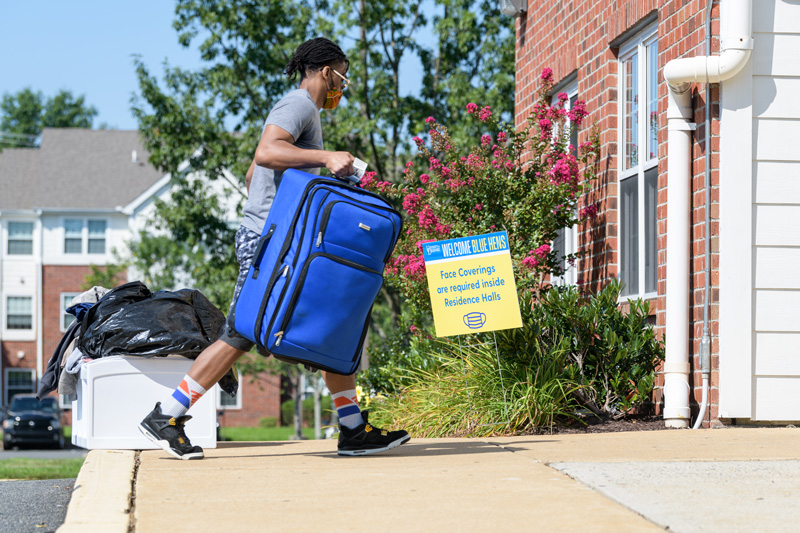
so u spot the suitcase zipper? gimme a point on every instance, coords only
(327, 214)
(301, 281)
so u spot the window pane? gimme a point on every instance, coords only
(19, 382)
(20, 230)
(66, 318)
(629, 271)
(631, 110)
(20, 312)
(650, 233)
(573, 132)
(20, 247)
(73, 246)
(559, 247)
(20, 238)
(97, 228)
(226, 400)
(97, 246)
(73, 228)
(652, 100)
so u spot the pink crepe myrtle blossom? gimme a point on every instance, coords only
(502, 137)
(418, 140)
(368, 180)
(588, 212)
(472, 108)
(485, 113)
(485, 140)
(578, 112)
(563, 97)
(409, 164)
(424, 178)
(430, 120)
(547, 74)
(426, 218)
(412, 202)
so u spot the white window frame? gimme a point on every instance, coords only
(570, 275)
(31, 371)
(6, 248)
(64, 306)
(85, 236)
(636, 45)
(237, 398)
(6, 314)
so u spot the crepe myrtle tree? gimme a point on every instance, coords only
(527, 182)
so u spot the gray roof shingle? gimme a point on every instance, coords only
(76, 168)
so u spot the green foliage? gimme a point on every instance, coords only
(269, 422)
(465, 396)
(287, 409)
(527, 182)
(108, 276)
(574, 351)
(23, 115)
(612, 353)
(19, 468)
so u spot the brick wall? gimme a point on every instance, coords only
(260, 398)
(574, 38)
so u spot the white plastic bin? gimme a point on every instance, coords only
(115, 393)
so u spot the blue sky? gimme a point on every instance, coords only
(85, 46)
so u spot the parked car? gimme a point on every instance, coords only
(32, 421)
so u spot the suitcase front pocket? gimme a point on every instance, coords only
(348, 227)
(329, 308)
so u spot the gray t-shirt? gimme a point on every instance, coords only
(297, 114)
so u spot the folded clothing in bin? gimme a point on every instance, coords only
(132, 320)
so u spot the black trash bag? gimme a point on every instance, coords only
(131, 320)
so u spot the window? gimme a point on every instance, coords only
(66, 318)
(73, 236)
(97, 236)
(638, 163)
(567, 241)
(20, 238)
(19, 312)
(226, 401)
(82, 236)
(19, 381)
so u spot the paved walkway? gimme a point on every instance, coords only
(745, 479)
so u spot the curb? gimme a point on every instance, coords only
(101, 499)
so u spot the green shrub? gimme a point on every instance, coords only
(612, 355)
(287, 410)
(573, 351)
(268, 422)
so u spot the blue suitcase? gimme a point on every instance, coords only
(316, 272)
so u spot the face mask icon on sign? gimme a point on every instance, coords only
(475, 320)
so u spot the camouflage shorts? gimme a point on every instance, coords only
(246, 244)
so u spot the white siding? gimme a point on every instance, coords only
(776, 211)
(777, 398)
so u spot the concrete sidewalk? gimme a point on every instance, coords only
(708, 480)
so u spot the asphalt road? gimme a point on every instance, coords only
(28, 453)
(37, 506)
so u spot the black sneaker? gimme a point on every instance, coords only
(168, 433)
(366, 438)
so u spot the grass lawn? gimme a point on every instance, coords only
(40, 468)
(261, 434)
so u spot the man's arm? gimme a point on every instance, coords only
(276, 151)
(249, 176)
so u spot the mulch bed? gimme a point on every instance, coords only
(598, 425)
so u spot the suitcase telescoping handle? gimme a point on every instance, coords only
(262, 247)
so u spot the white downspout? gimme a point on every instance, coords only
(737, 44)
(40, 298)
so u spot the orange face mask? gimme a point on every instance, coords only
(332, 99)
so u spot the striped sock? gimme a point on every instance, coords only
(346, 403)
(183, 398)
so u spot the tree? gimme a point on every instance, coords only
(213, 117)
(23, 115)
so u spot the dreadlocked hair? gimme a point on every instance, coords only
(313, 55)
